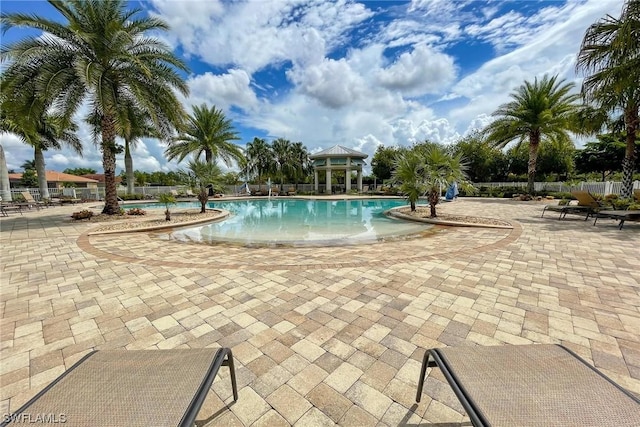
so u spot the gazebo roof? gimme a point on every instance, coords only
(338, 151)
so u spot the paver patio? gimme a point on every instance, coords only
(320, 335)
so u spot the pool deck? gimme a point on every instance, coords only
(320, 335)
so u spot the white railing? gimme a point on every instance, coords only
(596, 187)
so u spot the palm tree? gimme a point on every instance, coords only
(5, 185)
(205, 174)
(41, 129)
(207, 131)
(408, 173)
(100, 55)
(610, 56)
(259, 158)
(301, 165)
(283, 156)
(134, 126)
(539, 110)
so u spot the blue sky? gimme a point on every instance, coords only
(358, 74)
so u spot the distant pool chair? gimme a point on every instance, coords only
(130, 388)
(531, 385)
(587, 205)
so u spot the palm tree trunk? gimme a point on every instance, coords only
(534, 143)
(5, 187)
(109, 164)
(434, 197)
(632, 122)
(41, 170)
(128, 166)
(208, 156)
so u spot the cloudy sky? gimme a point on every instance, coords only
(358, 74)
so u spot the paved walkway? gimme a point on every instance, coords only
(320, 335)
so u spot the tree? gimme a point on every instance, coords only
(29, 178)
(485, 162)
(383, 162)
(408, 173)
(205, 174)
(100, 54)
(28, 165)
(5, 185)
(540, 110)
(283, 156)
(207, 131)
(442, 169)
(35, 123)
(79, 171)
(167, 199)
(301, 162)
(259, 158)
(610, 57)
(426, 169)
(603, 156)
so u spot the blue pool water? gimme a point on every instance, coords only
(298, 222)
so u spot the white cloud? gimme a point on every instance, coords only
(223, 91)
(421, 71)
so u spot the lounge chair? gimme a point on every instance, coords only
(622, 216)
(587, 204)
(5, 208)
(636, 195)
(531, 385)
(365, 189)
(28, 198)
(131, 388)
(275, 191)
(291, 191)
(191, 193)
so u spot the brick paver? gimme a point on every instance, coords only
(322, 336)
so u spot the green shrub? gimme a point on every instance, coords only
(132, 197)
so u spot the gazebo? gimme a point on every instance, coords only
(338, 158)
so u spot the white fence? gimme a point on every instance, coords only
(605, 187)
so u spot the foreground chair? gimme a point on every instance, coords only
(531, 385)
(587, 204)
(130, 388)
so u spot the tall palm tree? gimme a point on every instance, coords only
(99, 54)
(301, 160)
(207, 131)
(40, 128)
(134, 125)
(610, 57)
(539, 110)
(5, 185)
(283, 156)
(259, 158)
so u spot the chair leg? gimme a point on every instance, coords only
(232, 370)
(426, 363)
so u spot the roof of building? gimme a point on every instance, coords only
(100, 177)
(338, 151)
(53, 176)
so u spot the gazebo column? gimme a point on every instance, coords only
(347, 180)
(360, 180)
(316, 184)
(328, 190)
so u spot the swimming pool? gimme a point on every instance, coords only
(299, 222)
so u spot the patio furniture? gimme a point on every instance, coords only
(31, 201)
(622, 216)
(531, 385)
(291, 191)
(587, 204)
(5, 208)
(130, 388)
